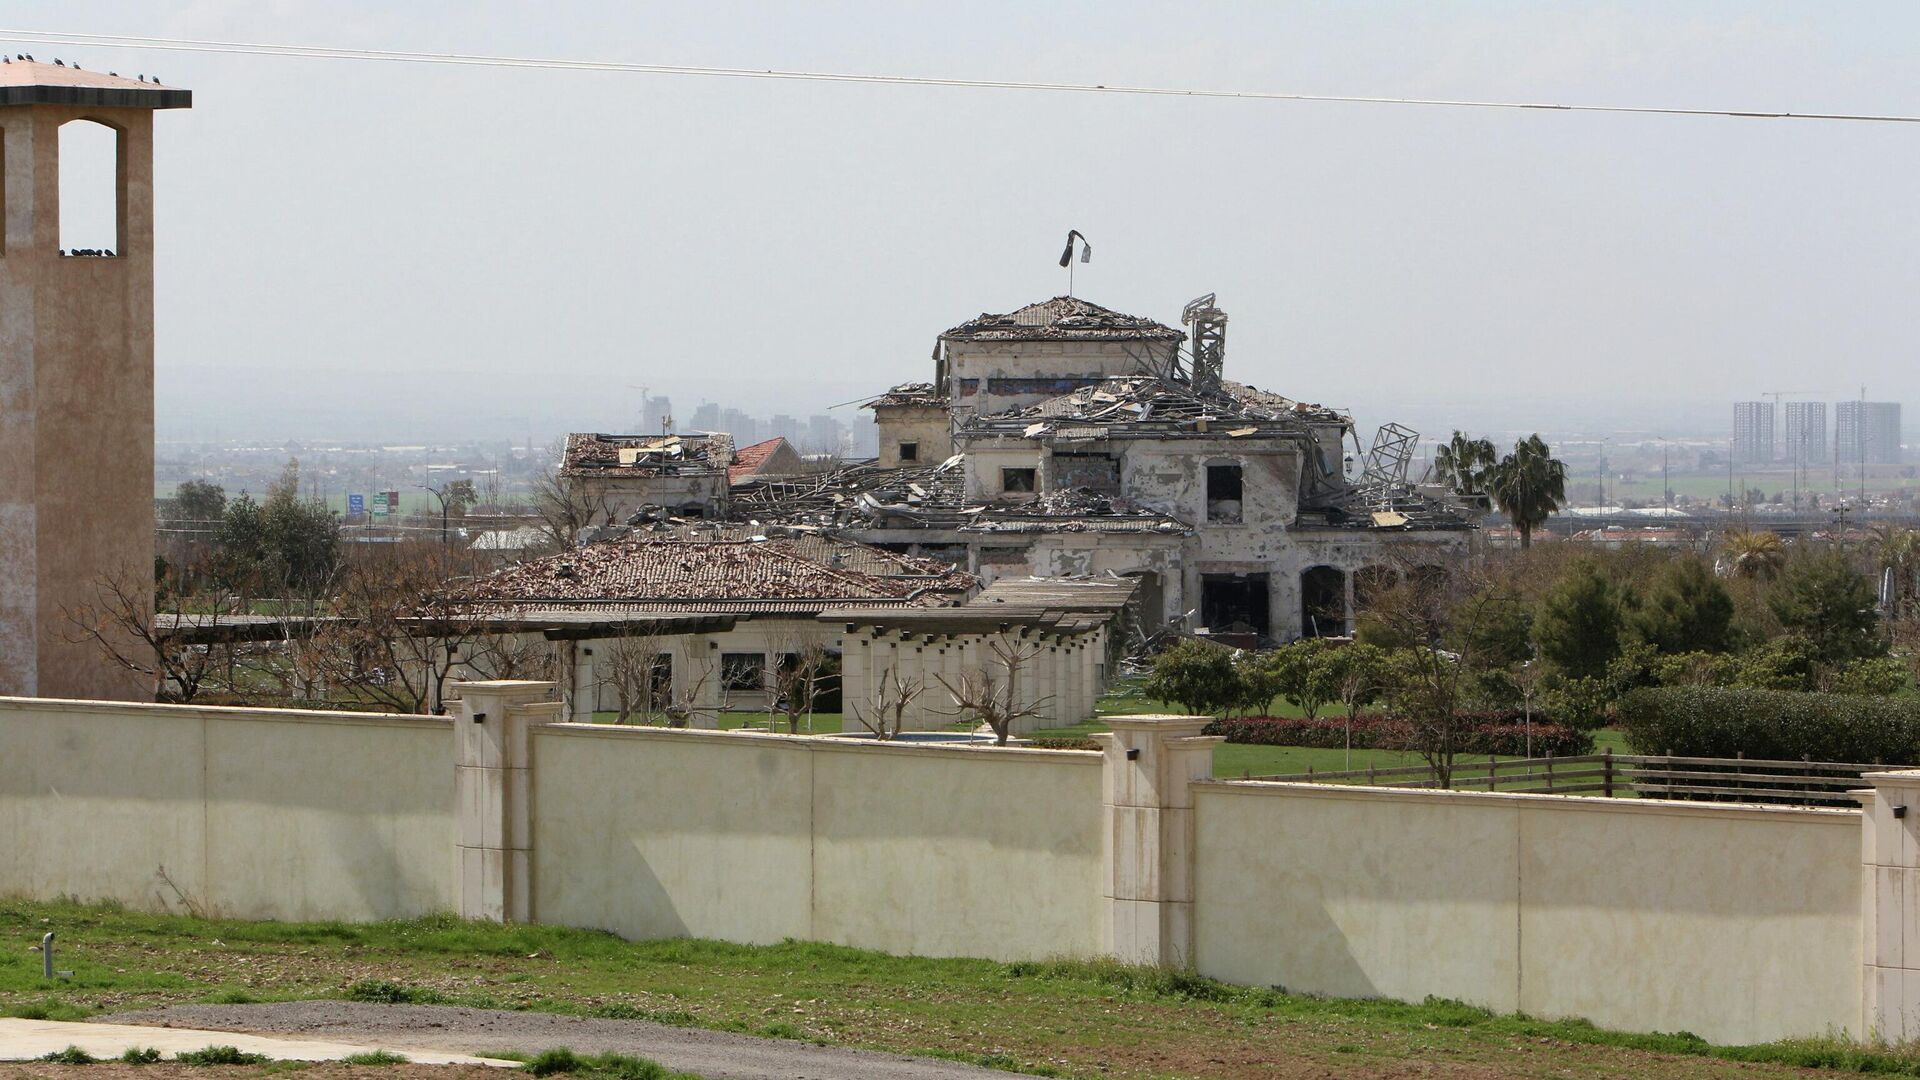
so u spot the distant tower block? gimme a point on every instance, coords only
(76, 376)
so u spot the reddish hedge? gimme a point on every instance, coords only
(1484, 733)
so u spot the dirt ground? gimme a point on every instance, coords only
(727, 1056)
(716, 1055)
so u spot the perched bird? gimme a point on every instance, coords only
(109, 253)
(57, 62)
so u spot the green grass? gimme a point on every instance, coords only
(1070, 1018)
(375, 1057)
(562, 1061)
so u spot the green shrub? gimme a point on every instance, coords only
(219, 1055)
(72, 1055)
(1707, 721)
(1502, 733)
(1199, 676)
(382, 992)
(139, 1055)
(559, 1059)
(375, 1057)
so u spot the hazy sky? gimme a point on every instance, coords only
(351, 247)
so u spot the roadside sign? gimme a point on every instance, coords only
(356, 505)
(393, 502)
(380, 504)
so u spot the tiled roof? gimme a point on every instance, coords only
(708, 575)
(595, 454)
(26, 82)
(749, 460)
(1063, 318)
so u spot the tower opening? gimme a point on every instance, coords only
(89, 188)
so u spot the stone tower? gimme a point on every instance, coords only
(76, 380)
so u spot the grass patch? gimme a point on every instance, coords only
(375, 1057)
(72, 1055)
(139, 1055)
(560, 1060)
(1073, 1017)
(220, 1055)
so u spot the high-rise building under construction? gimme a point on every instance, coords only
(1753, 432)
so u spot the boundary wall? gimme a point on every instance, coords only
(1738, 923)
(248, 813)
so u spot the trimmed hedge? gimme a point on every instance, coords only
(1780, 725)
(1483, 733)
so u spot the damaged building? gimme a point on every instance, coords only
(1064, 439)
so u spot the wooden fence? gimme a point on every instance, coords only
(1645, 776)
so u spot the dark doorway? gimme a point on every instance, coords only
(1323, 602)
(1234, 604)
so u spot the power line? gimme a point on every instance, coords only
(196, 45)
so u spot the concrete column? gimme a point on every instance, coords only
(1890, 905)
(584, 701)
(856, 678)
(493, 789)
(1151, 761)
(1347, 586)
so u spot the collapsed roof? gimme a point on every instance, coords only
(1063, 318)
(595, 454)
(644, 572)
(909, 395)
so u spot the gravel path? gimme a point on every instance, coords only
(717, 1055)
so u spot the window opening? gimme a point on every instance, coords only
(741, 671)
(909, 451)
(89, 189)
(1223, 494)
(1017, 480)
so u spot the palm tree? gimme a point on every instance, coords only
(1463, 464)
(1755, 554)
(1528, 485)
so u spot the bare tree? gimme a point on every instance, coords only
(562, 507)
(638, 669)
(887, 703)
(511, 656)
(990, 694)
(399, 636)
(136, 626)
(800, 671)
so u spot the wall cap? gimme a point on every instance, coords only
(1837, 815)
(826, 743)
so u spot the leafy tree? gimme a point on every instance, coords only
(1578, 627)
(1876, 675)
(1357, 676)
(1785, 663)
(200, 500)
(1463, 464)
(1293, 671)
(284, 544)
(1822, 598)
(1199, 676)
(1528, 485)
(1686, 610)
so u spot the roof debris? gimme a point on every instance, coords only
(1063, 318)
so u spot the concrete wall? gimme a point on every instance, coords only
(1736, 923)
(757, 838)
(76, 407)
(250, 813)
(973, 365)
(930, 427)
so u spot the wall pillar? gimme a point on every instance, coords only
(1890, 904)
(493, 788)
(1151, 763)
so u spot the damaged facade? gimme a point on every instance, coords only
(1064, 439)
